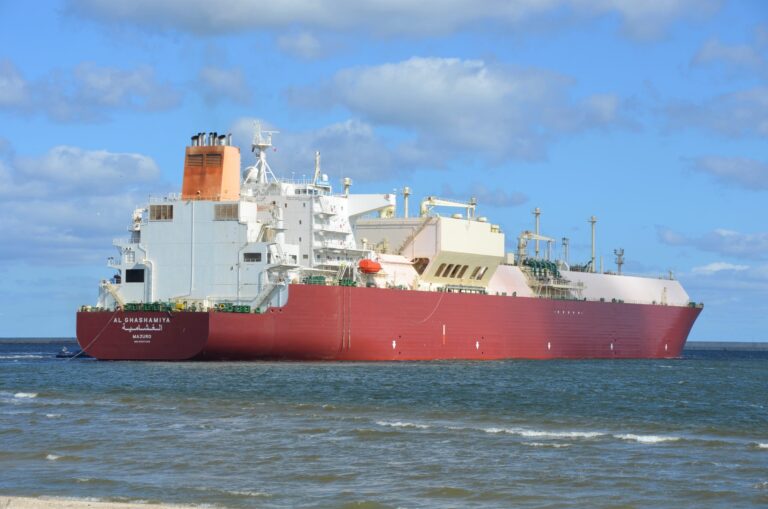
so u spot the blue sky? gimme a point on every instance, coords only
(653, 116)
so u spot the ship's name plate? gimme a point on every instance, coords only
(136, 325)
(141, 319)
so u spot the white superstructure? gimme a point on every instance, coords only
(243, 241)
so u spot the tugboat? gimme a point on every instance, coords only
(66, 353)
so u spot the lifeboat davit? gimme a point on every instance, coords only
(369, 266)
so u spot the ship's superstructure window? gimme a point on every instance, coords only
(455, 271)
(225, 212)
(482, 272)
(440, 270)
(134, 276)
(462, 271)
(419, 264)
(251, 257)
(448, 270)
(161, 212)
(474, 272)
(130, 256)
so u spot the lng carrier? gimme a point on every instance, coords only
(252, 266)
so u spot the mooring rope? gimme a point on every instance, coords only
(82, 350)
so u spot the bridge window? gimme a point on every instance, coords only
(251, 257)
(462, 271)
(482, 273)
(161, 212)
(440, 270)
(448, 270)
(134, 276)
(225, 212)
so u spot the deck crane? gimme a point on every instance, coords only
(432, 201)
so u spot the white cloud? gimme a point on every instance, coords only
(486, 196)
(650, 18)
(722, 241)
(388, 17)
(715, 267)
(739, 171)
(303, 45)
(738, 55)
(739, 114)
(454, 105)
(87, 93)
(348, 149)
(218, 83)
(13, 88)
(66, 205)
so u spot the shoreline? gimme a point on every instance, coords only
(7, 502)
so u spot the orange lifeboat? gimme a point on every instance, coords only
(369, 266)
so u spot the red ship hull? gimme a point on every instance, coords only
(371, 324)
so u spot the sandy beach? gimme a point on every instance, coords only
(71, 503)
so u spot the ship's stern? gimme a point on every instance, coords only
(142, 335)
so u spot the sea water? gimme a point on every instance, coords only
(662, 433)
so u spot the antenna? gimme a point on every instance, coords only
(317, 168)
(537, 213)
(260, 146)
(406, 194)
(619, 258)
(565, 249)
(592, 221)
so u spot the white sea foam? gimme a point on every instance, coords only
(529, 433)
(647, 439)
(239, 493)
(400, 424)
(53, 416)
(52, 457)
(25, 395)
(249, 493)
(542, 444)
(21, 356)
(762, 446)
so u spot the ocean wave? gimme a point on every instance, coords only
(246, 493)
(647, 439)
(21, 356)
(762, 446)
(94, 481)
(25, 395)
(52, 457)
(400, 424)
(53, 416)
(542, 444)
(528, 433)
(237, 493)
